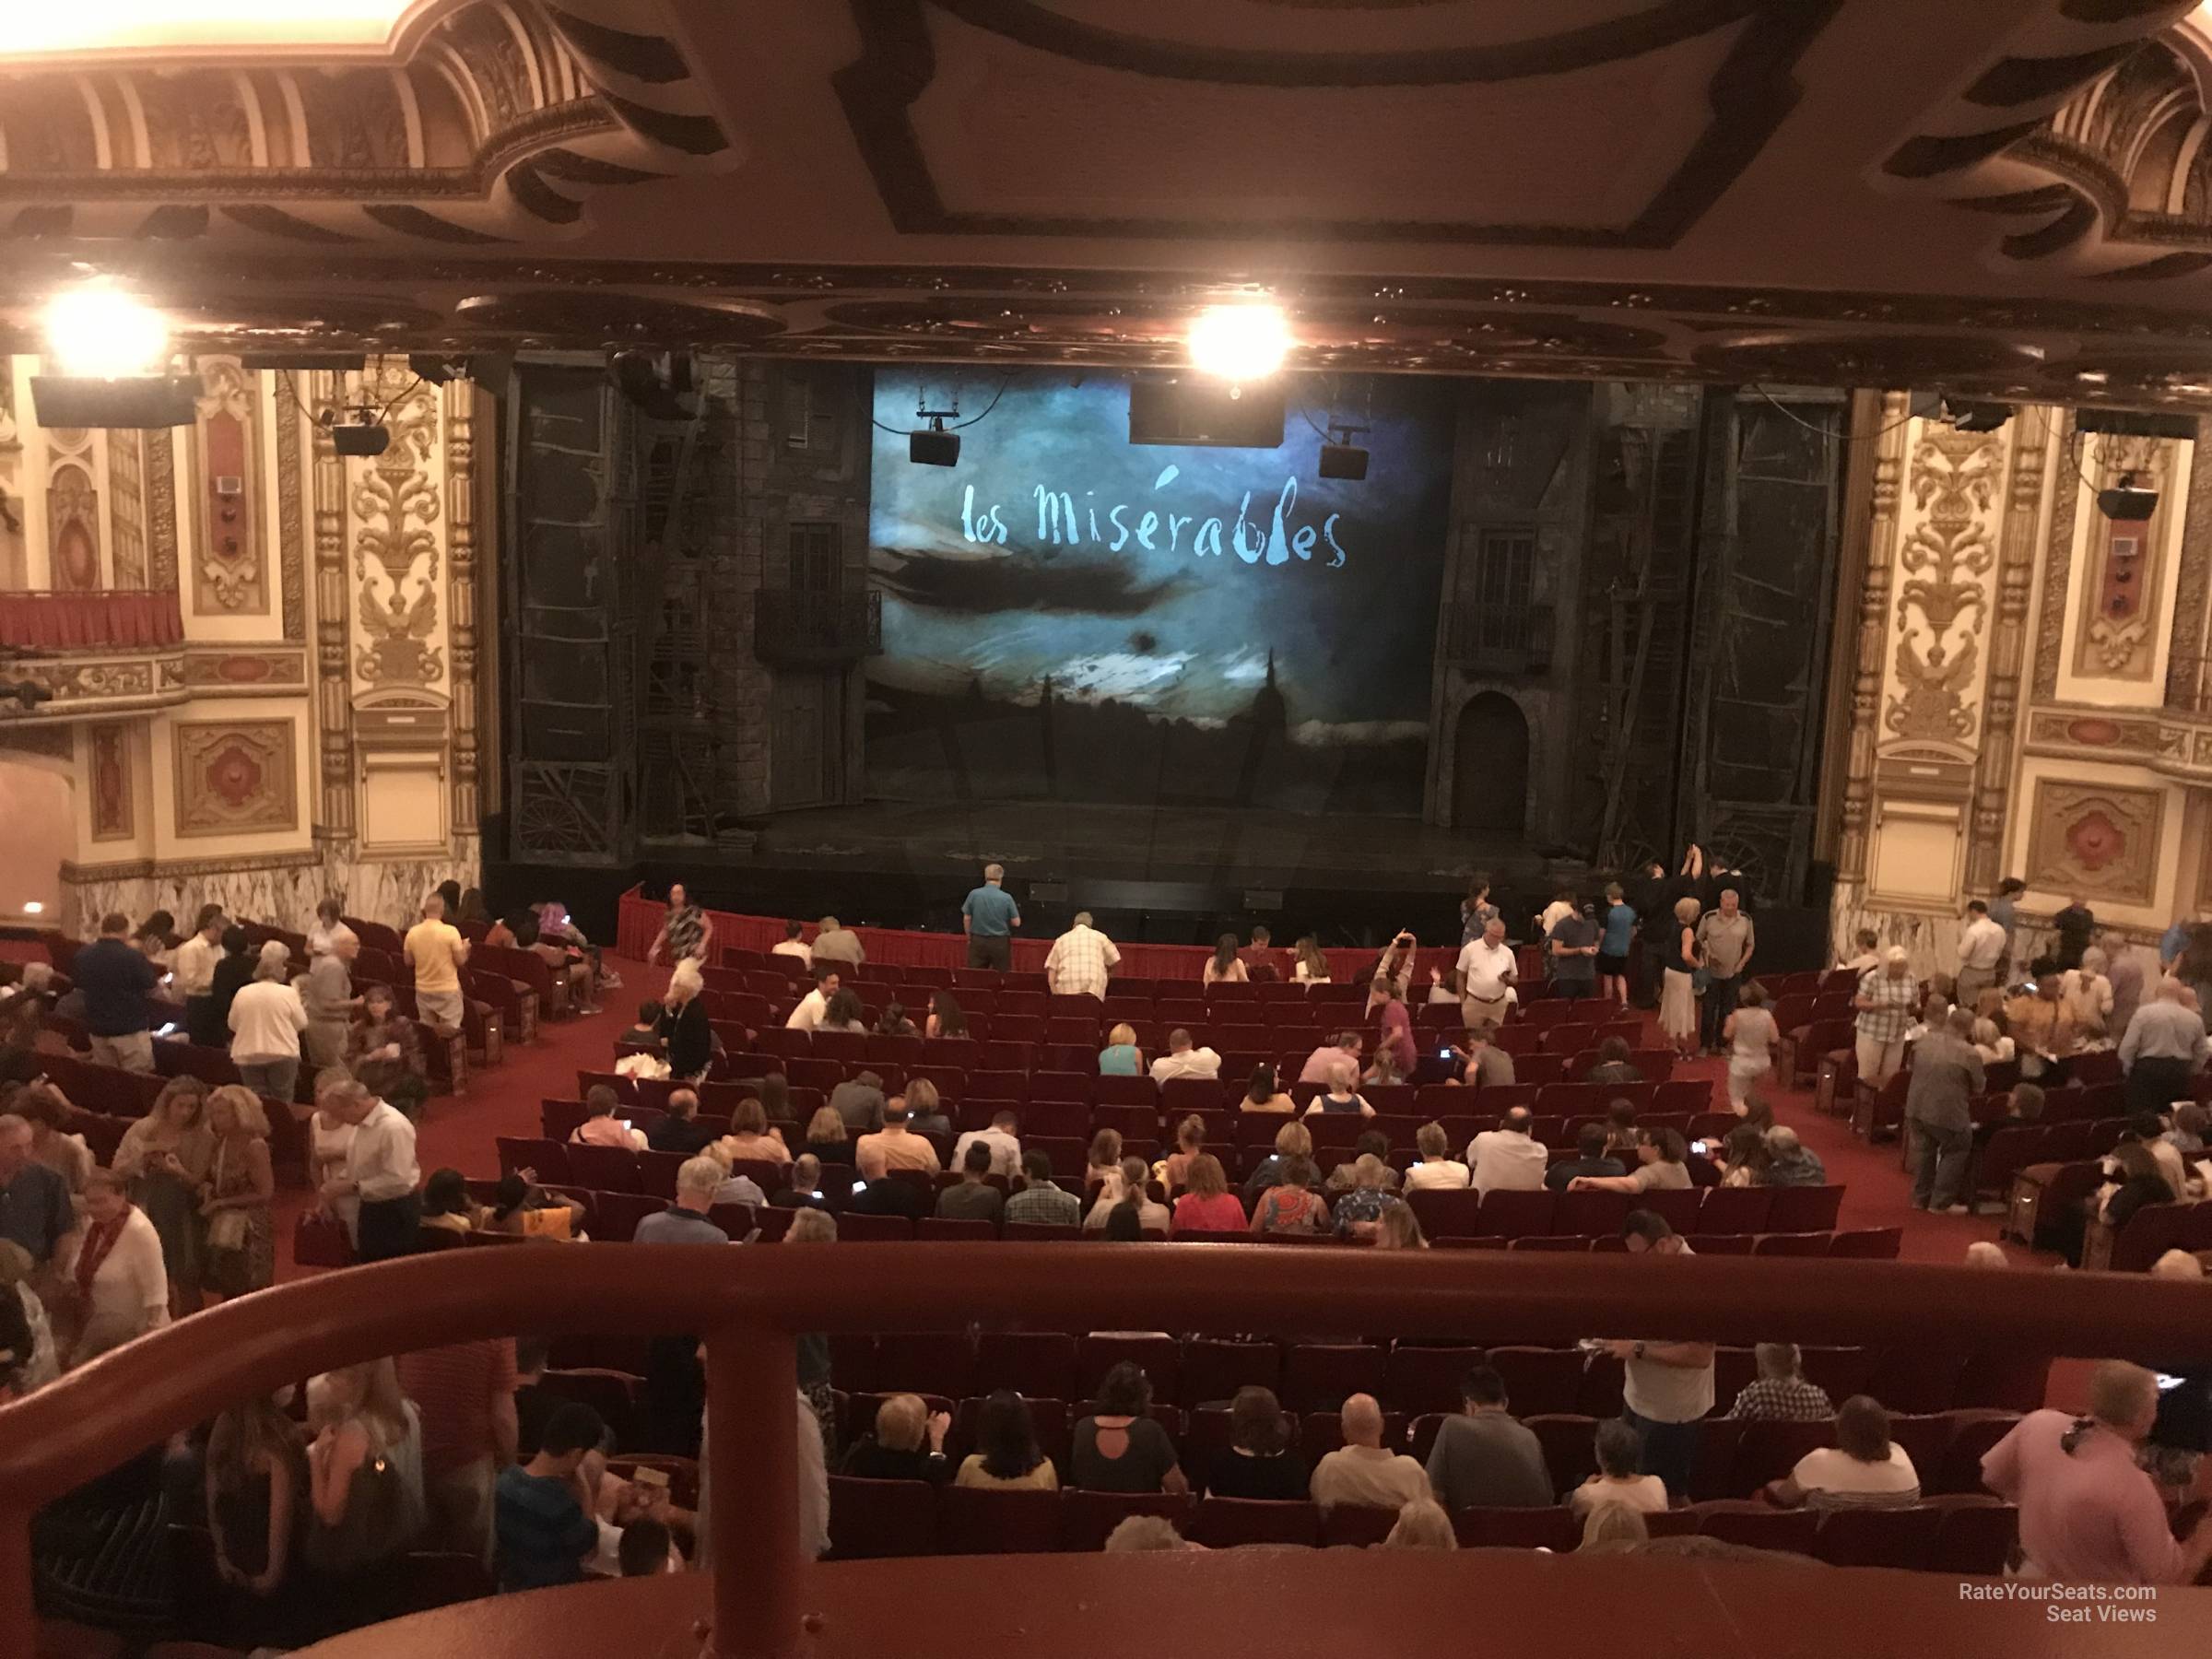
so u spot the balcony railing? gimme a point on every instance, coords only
(94, 1418)
(1499, 639)
(117, 619)
(799, 628)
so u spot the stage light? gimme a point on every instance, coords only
(99, 333)
(936, 447)
(1967, 415)
(361, 437)
(2128, 501)
(1239, 342)
(32, 907)
(111, 350)
(1340, 457)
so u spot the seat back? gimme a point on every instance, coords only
(1804, 1209)
(1224, 1523)
(1878, 1538)
(869, 1518)
(1508, 1215)
(997, 1521)
(1086, 1519)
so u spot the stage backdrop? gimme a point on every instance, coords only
(1069, 616)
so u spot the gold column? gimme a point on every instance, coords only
(2007, 646)
(461, 593)
(1873, 632)
(334, 702)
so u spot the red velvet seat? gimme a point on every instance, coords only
(1804, 1209)
(1160, 1357)
(603, 1168)
(1214, 1369)
(1507, 1215)
(1975, 1537)
(1035, 1363)
(1556, 1528)
(1736, 1210)
(1224, 1523)
(879, 1230)
(996, 1520)
(1540, 1379)
(1868, 1244)
(1791, 1244)
(1419, 1379)
(1319, 1376)
(547, 1159)
(1087, 1518)
(1759, 1526)
(1356, 1525)
(1878, 1538)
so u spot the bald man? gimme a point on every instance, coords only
(2162, 1050)
(1361, 1471)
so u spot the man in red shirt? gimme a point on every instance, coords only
(465, 1394)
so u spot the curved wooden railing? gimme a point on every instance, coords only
(749, 1304)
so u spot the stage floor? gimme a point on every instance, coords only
(1206, 847)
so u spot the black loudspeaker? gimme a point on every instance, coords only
(1342, 461)
(1173, 410)
(934, 449)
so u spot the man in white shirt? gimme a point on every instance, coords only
(381, 1172)
(1005, 1148)
(1486, 968)
(813, 1006)
(792, 945)
(192, 969)
(1669, 1385)
(1509, 1159)
(1361, 1472)
(1980, 954)
(1081, 960)
(1183, 1061)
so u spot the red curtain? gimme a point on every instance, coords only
(58, 621)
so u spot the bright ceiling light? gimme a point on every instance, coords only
(1239, 342)
(33, 908)
(89, 26)
(101, 334)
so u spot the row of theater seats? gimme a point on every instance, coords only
(1970, 1535)
(988, 1091)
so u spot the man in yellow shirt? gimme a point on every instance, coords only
(436, 949)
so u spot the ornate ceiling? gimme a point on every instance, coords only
(2009, 197)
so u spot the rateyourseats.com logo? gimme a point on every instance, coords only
(2073, 1604)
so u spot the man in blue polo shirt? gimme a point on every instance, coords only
(115, 978)
(989, 917)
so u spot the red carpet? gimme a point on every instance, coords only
(459, 1132)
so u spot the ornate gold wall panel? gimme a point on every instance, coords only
(230, 575)
(2007, 649)
(396, 510)
(1943, 602)
(2099, 840)
(234, 776)
(1873, 636)
(460, 588)
(2122, 564)
(110, 793)
(126, 507)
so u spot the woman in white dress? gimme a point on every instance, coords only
(115, 1273)
(1750, 1033)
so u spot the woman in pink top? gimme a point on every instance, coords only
(1207, 1204)
(1190, 1141)
(1397, 1040)
(603, 1128)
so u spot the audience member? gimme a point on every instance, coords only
(1865, 1468)
(974, 1199)
(697, 1180)
(364, 1468)
(192, 966)
(545, 1508)
(892, 1450)
(804, 1191)
(1346, 1175)
(1488, 972)
(1399, 1228)
(233, 970)
(1143, 1534)
(1308, 965)
(946, 1018)
(989, 917)
(687, 1033)
(114, 1281)
(266, 1017)
(165, 1157)
(836, 945)
(1620, 1477)
(1660, 1167)
(47, 1111)
(240, 1237)
(1613, 1064)
(1421, 1524)
(894, 1147)
(386, 1053)
(464, 1394)
(1362, 1472)
(858, 1102)
(1124, 1185)
(1081, 960)
(1292, 1140)
(793, 942)
(893, 1021)
(2042, 1030)
(1207, 1204)
(1509, 1159)
(1486, 1457)
(1358, 1213)
(325, 993)
(1292, 1205)
(1264, 1093)
(1121, 1056)
(999, 1140)
(601, 1127)
(1006, 1454)
(437, 951)
(814, 1007)
(1669, 1385)
(1436, 1168)
(1780, 1393)
(844, 1015)
(826, 1138)
(1321, 1065)
(1183, 1061)
(1885, 999)
(1789, 1162)
(1484, 1063)
(750, 1139)
(924, 1111)
(255, 1478)
(1341, 1097)
(678, 1129)
(115, 982)
(1120, 1447)
(1394, 1040)
(380, 1173)
(1750, 1035)
(2162, 1050)
(1259, 1461)
(1039, 1202)
(1102, 1163)
(1589, 1159)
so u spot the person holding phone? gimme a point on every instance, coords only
(1487, 973)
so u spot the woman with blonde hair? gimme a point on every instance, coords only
(364, 1471)
(1121, 1057)
(1292, 1140)
(242, 1239)
(893, 1452)
(1421, 1524)
(827, 1137)
(164, 1157)
(1678, 991)
(1189, 1143)
(1615, 1525)
(750, 1139)
(266, 1017)
(1398, 1228)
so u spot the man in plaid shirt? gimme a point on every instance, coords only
(1888, 1002)
(1781, 1394)
(1080, 960)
